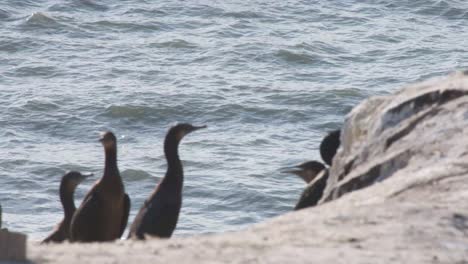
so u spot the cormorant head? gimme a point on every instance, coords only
(182, 129)
(108, 139)
(71, 179)
(307, 170)
(329, 146)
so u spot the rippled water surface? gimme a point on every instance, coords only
(269, 78)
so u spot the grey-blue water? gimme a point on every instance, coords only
(269, 78)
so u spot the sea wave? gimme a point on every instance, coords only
(135, 175)
(41, 20)
(301, 57)
(4, 14)
(124, 26)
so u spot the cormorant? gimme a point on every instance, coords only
(329, 146)
(67, 188)
(315, 175)
(160, 212)
(103, 214)
(313, 192)
(307, 170)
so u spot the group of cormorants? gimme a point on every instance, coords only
(103, 214)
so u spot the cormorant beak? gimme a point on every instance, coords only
(301, 172)
(197, 127)
(294, 170)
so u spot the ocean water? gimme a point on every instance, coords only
(269, 78)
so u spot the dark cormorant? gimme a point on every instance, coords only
(313, 192)
(67, 188)
(316, 175)
(160, 212)
(307, 170)
(103, 214)
(329, 146)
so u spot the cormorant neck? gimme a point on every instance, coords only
(174, 165)
(110, 167)
(66, 197)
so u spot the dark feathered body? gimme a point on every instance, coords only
(68, 185)
(60, 232)
(103, 214)
(315, 174)
(160, 212)
(313, 191)
(329, 145)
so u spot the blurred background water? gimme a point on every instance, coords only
(269, 78)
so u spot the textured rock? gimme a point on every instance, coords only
(12, 246)
(411, 152)
(423, 127)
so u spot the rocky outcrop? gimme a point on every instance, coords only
(397, 193)
(419, 134)
(12, 246)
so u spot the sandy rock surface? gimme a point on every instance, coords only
(398, 193)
